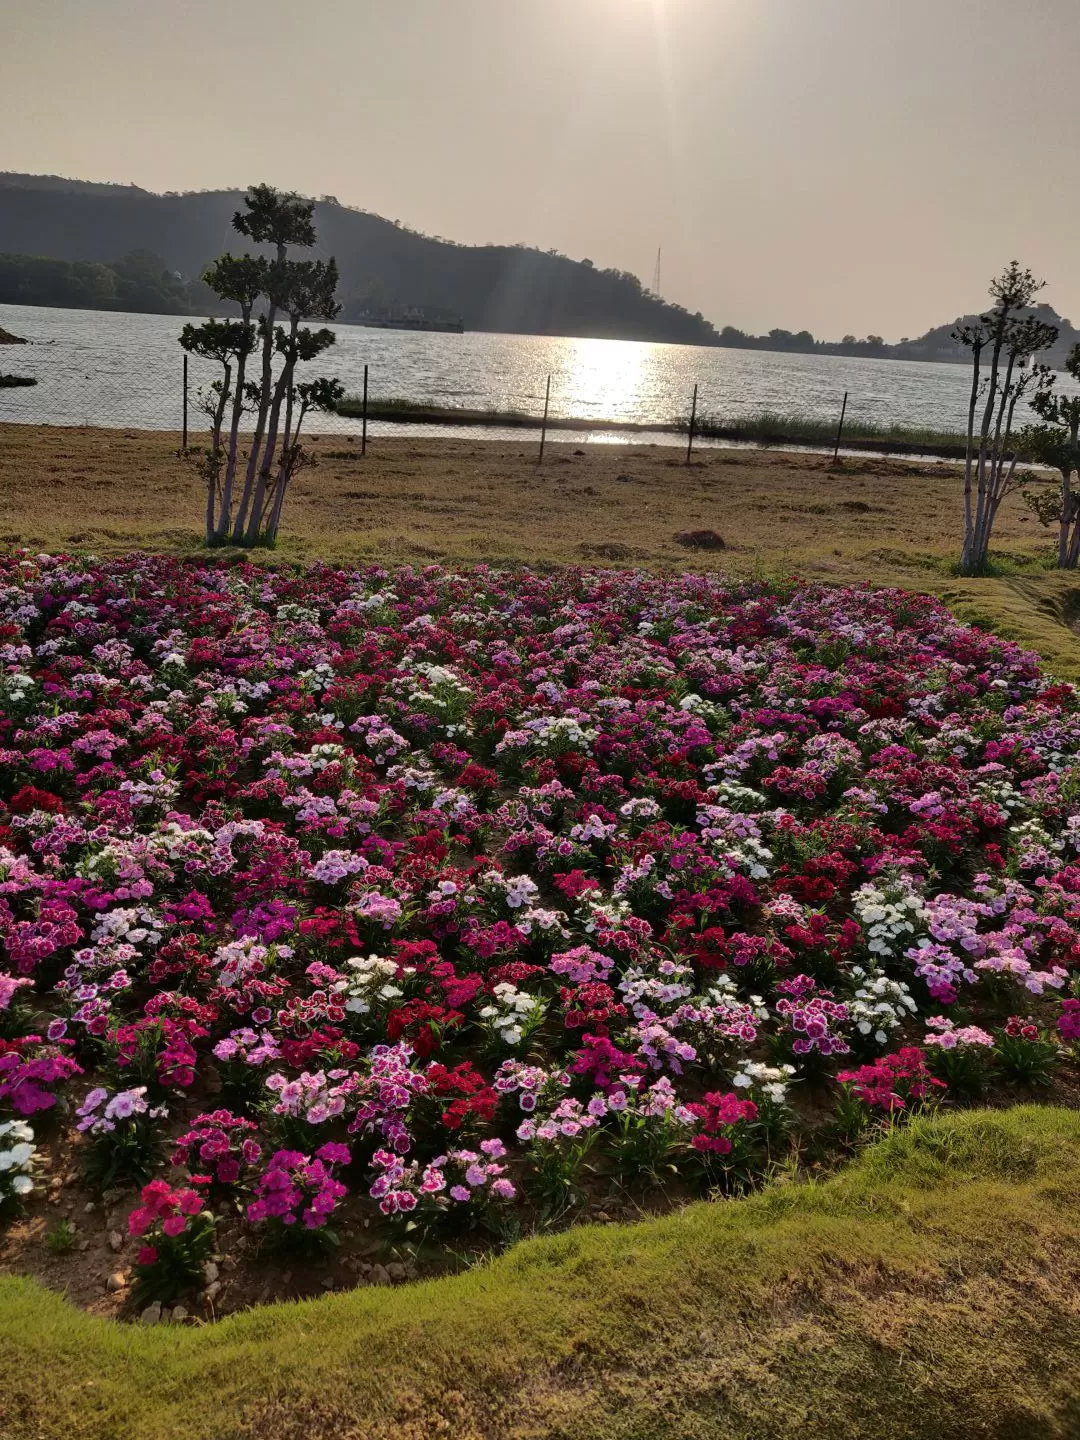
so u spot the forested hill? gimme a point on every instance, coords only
(383, 265)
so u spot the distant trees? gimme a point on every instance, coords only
(244, 503)
(138, 281)
(802, 342)
(1009, 338)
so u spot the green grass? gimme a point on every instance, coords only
(765, 427)
(418, 412)
(928, 1291)
(774, 427)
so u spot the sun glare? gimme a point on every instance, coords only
(604, 376)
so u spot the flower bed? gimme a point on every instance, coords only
(389, 909)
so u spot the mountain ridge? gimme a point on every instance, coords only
(385, 266)
(382, 263)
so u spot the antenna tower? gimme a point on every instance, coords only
(656, 275)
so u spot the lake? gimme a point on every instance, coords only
(103, 368)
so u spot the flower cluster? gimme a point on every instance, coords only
(893, 1082)
(296, 1187)
(463, 889)
(164, 1206)
(17, 1151)
(219, 1145)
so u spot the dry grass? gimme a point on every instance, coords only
(464, 501)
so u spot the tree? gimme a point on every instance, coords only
(1012, 338)
(294, 290)
(1055, 442)
(228, 342)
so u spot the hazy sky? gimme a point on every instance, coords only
(843, 165)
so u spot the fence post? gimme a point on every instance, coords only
(363, 431)
(185, 400)
(839, 430)
(543, 427)
(693, 417)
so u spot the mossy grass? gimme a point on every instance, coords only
(927, 1290)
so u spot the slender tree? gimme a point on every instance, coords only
(1010, 336)
(248, 508)
(227, 342)
(1055, 442)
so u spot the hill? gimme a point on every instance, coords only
(60, 241)
(384, 265)
(938, 344)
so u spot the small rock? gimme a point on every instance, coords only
(83, 1246)
(286, 1279)
(166, 1315)
(397, 1272)
(89, 1207)
(151, 1315)
(700, 540)
(328, 1283)
(229, 1262)
(213, 1290)
(210, 1270)
(116, 1240)
(116, 1281)
(179, 1315)
(379, 1275)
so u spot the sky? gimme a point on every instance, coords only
(859, 166)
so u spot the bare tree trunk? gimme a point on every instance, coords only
(285, 474)
(234, 433)
(1065, 521)
(213, 460)
(969, 524)
(996, 452)
(1073, 556)
(264, 407)
(1000, 478)
(973, 561)
(258, 502)
(287, 432)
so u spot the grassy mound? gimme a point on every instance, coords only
(929, 1291)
